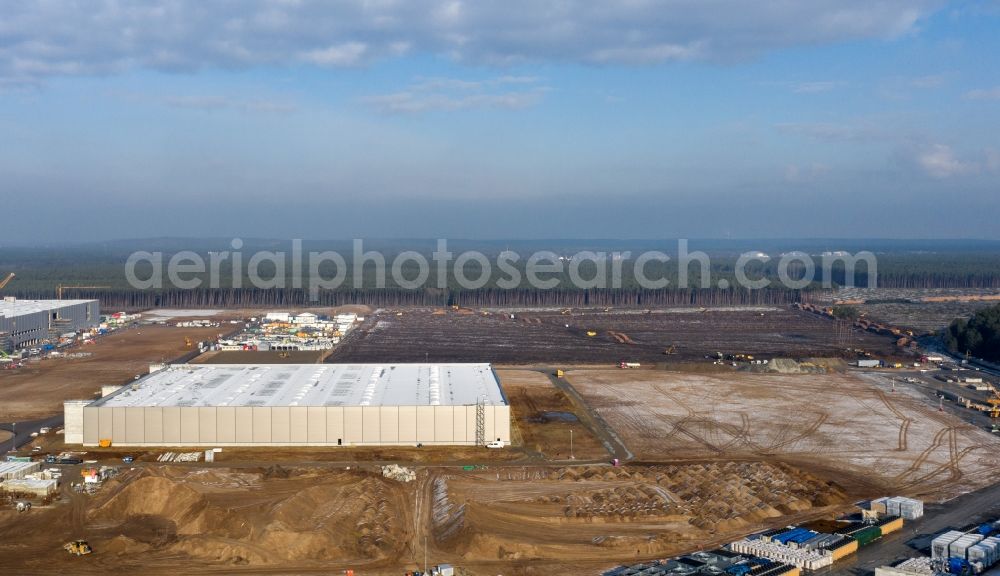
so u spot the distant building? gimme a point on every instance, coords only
(25, 323)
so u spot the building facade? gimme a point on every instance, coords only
(26, 323)
(299, 405)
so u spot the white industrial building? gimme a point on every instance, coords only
(298, 405)
(25, 323)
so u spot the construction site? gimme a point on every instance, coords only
(639, 445)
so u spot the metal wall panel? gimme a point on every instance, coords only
(371, 430)
(261, 424)
(458, 424)
(190, 429)
(91, 425)
(389, 425)
(118, 424)
(105, 428)
(207, 424)
(152, 417)
(298, 424)
(244, 424)
(353, 425)
(425, 423)
(280, 425)
(135, 425)
(171, 425)
(225, 424)
(335, 424)
(444, 418)
(501, 427)
(316, 424)
(407, 423)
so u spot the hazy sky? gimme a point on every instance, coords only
(383, 118)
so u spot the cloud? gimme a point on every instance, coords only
(347, 54)
(209, 103)
(940, 161)
(39, 40)
(830, 132)
(984, 94)
(813, 87)
(433, 94)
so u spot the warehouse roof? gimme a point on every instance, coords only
(312, 385)
(18, 307)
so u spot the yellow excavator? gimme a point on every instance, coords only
(78, 547)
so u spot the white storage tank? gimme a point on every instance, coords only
(939, 546)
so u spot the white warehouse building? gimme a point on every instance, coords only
(25, 323)
(298, 405)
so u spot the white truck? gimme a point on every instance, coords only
(495, 444)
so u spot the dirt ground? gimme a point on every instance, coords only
(39, 388)
(543, 417)
(323, 519)
(258, 357)
(841, 421)
(542, 336)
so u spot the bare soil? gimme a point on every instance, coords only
(841, 421)
(594, 336)
(39, 388)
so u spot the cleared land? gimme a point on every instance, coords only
(258, 357)
(838, 422)
(39, 388)
(325, 519)
(543, 417)
(413, 335)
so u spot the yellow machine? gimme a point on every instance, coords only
(591, 333)
(60, 289)
(188, 343)
(78, 547)
(560, 373)
(104, 442)
(283, 355)
(670, 350)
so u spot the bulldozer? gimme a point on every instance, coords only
(670, 350)
(188, 343)
(78, 547)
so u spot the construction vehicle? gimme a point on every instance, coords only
(623, 364)
(283, 355)
(78, 547)
(188, 343)
(104, 442)
(6, 280)
(670, 350)
(591, 333)
(560, 373)
(22, 505)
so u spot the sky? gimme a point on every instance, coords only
(499, 119)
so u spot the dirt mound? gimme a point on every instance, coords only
(123, 545)
(233, 518)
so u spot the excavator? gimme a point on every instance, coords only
(78, 547)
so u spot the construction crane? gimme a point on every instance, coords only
(60, 288)
(6, 280)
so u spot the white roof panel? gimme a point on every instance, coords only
(312, 385)
(18, 307)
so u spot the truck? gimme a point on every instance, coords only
(495, 444)
(623, 364)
